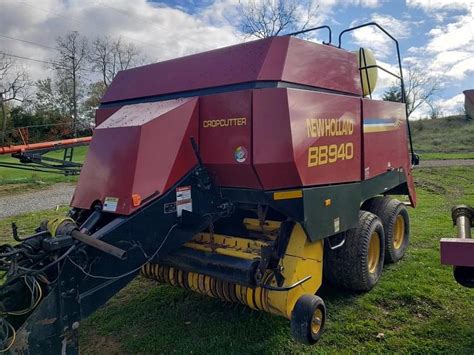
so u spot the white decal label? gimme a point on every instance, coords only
(183, 200)
(337, 226)
(110, 204)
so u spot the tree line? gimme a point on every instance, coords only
(62, 104)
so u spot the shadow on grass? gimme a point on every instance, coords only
(147, 318)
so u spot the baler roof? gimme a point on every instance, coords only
(276, 59)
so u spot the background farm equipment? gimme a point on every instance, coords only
(33, 157)
(459, 251)
(246, 173)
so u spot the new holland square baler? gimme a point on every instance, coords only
(247, 173)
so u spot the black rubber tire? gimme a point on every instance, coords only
(388, 209)
(348, 267)
(302, 317)
(464, 275)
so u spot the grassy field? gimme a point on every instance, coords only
(15, 180)
(416, 307)
(444, 138)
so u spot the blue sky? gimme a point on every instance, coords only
(436, 36)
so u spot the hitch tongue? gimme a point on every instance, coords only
(67, 226)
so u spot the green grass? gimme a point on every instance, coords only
(15, 180)
(417, 305)
(26, 223)
(443, 138)
(446, 156)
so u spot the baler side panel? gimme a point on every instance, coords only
(304, 138)
(386, 140)
(325, 131)
(141, 149)
(166, 152)
(272, 145)
(225, 126)
(112, 154)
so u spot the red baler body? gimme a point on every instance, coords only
(272, 114)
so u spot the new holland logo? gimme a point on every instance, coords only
(240, 154)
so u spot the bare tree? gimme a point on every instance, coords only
(108, 57)
(267, 18)
(420, 89)
(435, 110)
(13, 84)
(70, 65)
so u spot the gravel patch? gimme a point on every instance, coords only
(58, 194)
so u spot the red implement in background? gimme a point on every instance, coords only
(43, 145)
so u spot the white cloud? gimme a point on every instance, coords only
(159, 31)
(371, 37)
(451, 106)
(448, 55)
(361, 3)
(449, 52)
(429, 5)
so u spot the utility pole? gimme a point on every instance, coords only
(4, 118)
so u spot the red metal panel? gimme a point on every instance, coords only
(326, 137)
(108, 168)
(225, 131)
(386, 140)
(101, 114)
(322, 66)
(141, 149)
(229, 65)
(272, 145)
(286, 136)
(278, 58)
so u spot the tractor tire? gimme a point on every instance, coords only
(396, 225)
(308, 319)
(358, 263)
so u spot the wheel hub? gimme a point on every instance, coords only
(398, 232)
(317, 321)
(374, 252)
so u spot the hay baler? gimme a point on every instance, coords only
(247, 173)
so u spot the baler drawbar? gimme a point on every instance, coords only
(249, 173)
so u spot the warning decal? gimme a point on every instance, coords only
(183, 200)
(110, 204)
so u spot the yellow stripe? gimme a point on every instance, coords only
(379, 129)
(286, 195)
